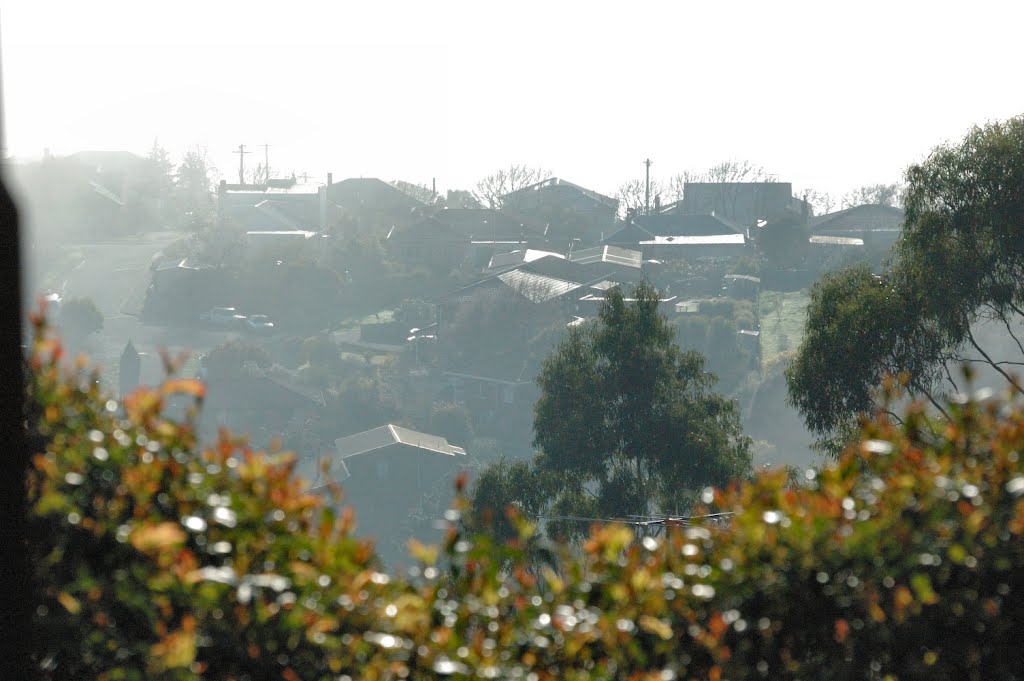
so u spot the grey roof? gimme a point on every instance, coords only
(386, 436)
(557, 182)
(686, 224)
(868, 217)
(609, 254)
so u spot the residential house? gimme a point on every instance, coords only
(456, 236)
(693, 248)
(398, 481)
(279, 205)
(829, 252)
(258, 401)
(676, 236)
(372, 206)
(877, 225)
(614, 255)
(513, 259)
(743, 203)
(572, 213)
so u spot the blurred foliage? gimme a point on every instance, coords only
(80, 317)
(154, 560)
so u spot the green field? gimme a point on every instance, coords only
(782, 318)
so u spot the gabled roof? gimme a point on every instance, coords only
(519, 257)
(608, 254)
(686, 224)
(537, 288)
(632, 233)
(554, 182)
(387, 436)
(868, 218)
(539, 281)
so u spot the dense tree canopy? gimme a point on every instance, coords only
(629, 420)
(957, 271)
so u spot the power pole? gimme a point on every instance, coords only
(647, 189)
(241, 162)
(266, 163)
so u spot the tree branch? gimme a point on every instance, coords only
(993, 364)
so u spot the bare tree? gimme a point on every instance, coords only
(877, 194)
(821, 203)
(491, 190)
(632, 196)
(259, 175)
(420, 192)
(726, 171)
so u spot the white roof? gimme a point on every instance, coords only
(537, 288)
(610, 254)
(706, 240)
(385, 436)
(836, 240)
(520, 257)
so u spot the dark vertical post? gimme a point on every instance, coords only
(647, 189)
(15, 565)
(241, 163)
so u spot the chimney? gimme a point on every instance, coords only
(330, 179)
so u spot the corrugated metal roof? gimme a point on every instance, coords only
(385, 436)
(836, 240)
(537, 288)
(709, 240)
(609, 254)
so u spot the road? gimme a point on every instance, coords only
(115, 274)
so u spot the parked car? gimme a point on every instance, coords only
(259, 323)
(222, 316)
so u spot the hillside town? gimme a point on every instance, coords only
(391, 335)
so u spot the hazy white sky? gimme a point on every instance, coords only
(829, 95)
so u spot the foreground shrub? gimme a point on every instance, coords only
(156, 561)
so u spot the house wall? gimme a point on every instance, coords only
(386, 489)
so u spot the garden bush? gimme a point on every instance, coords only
(156, 560)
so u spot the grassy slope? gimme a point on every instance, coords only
(782, 318)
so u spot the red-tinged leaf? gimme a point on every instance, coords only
(184, 386)
(842, 630)
(157, 537)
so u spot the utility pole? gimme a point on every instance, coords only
(241, 163)
(647, 189)
(266, 163)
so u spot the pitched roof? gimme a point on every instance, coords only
(868, 217)
(632, 233)
(539, 281)
(686, 224)
(519, 257)
(386, 436)
(557, 182)
(608, 254)
(536, 287)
